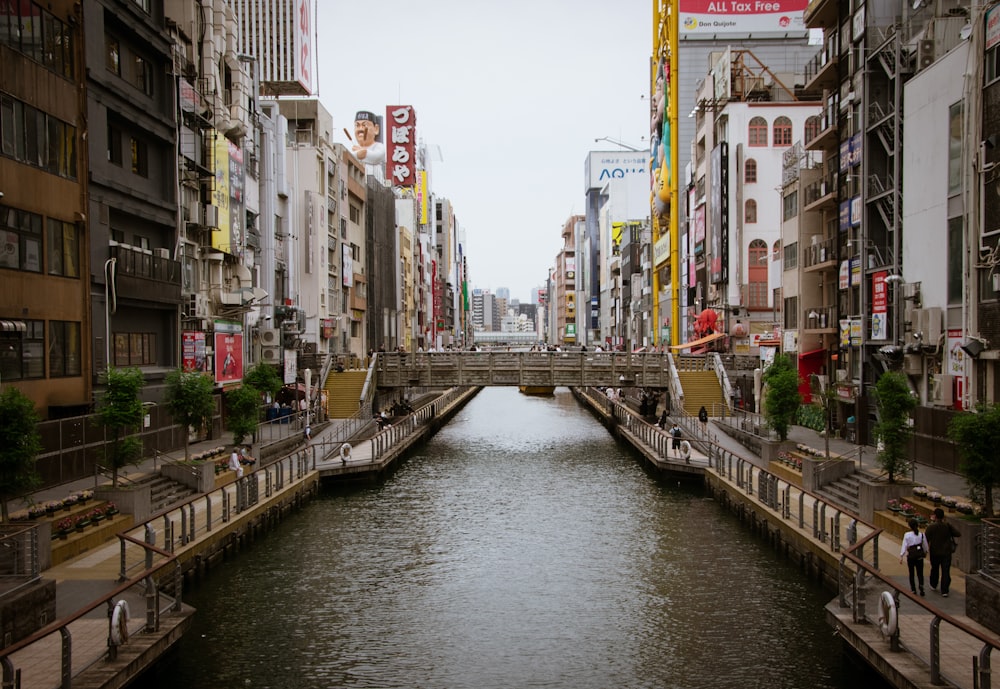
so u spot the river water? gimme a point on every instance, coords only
(520, 547)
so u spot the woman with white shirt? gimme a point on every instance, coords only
(914, 549)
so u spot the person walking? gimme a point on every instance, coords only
(941, 536)
(308, 433)
(703, 417)
(914, 548)
(675, 443)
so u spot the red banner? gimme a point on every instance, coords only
(400, 148)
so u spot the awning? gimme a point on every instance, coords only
(699, 342)
(809, 355)
(13, 326)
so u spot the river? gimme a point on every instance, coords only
(522, 546)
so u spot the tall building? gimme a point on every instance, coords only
(46, 317)
(279, 34)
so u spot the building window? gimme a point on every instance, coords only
(38, 34)
(757, 275)
(790, 206)
(782, 131)
(63, 249)
(21, 241)
(750, 212)
(36, 138)
(955, 282)
(142, 75)
(114, 145)
(757, 132)
(134, 349)
(791, 313)
(776, 251)
(112, 55)
(750, 171)
(22, 353)
(140, 157)
(791, 261)
(812, 129)
(64, 349)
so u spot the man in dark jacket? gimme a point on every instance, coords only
(940, 540)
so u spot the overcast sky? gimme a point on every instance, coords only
(512, 92)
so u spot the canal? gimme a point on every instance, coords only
(521, 547)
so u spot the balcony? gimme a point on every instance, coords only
(822, 14)
(828, 139)
(819, 195)
(820, 320)
(821, 71)
(819, 254)
(143, 274)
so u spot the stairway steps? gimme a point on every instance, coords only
(701, 389)
(343, 391)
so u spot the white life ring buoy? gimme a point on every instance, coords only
(119, 623)
(685, 450)
(887, 620)
(345, 452)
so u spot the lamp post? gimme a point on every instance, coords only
(616, 142)
(109, 277)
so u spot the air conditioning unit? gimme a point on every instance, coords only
(913, 364)
(270, 337)
(940, 393)
(161, 253)
(271, 355)
(930, 324)
(925, 53)
(211, 216)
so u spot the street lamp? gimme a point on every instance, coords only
(616, 142)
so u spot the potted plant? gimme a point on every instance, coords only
(96, 515)
(81, 522)
(36, 511)
(52, 505)
(63, 527)
(920, 491)
(82, 496)
(110, 510)
(894, 504)
(934, 496)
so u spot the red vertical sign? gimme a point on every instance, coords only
(400, 147)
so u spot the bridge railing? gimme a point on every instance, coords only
(645, 369)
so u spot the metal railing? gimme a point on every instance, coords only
(19, 560)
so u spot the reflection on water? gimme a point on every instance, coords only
(521, 547)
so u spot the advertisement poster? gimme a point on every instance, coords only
(880, 304)
(228, 353)
(193, 351)
(400, 154)
(713, 17)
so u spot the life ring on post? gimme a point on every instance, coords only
(345, 452)
(119, 623)
(887, 620)
(685, 450)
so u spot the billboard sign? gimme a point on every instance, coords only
(708, 18)
(400, 154)
(193, 351)
(303, 45)
(228, 352)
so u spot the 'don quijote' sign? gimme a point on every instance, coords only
(400, 147)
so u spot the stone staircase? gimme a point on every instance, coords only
(165, 492)
(701, 388)
(343, 392)
(844, 492)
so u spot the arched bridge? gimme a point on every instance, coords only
(545, 368)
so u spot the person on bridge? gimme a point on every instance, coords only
(914, 548)
(703, 416)
(662, 423)
(675, 433)
(941, 537)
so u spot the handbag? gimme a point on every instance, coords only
(915, 552)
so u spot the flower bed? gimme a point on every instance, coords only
(790, 460)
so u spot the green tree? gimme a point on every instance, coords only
(782, 398)
(20, 444)
(188, 399)
(243, 404)
(978, 438)
(893, 430)
(120, 412)
(265, 378)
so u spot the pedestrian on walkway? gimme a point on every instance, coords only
(703, 417)
(234, 462)
(308, 433)
(675, 443)
(662, 423)
(914, 548)
(941, 537)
